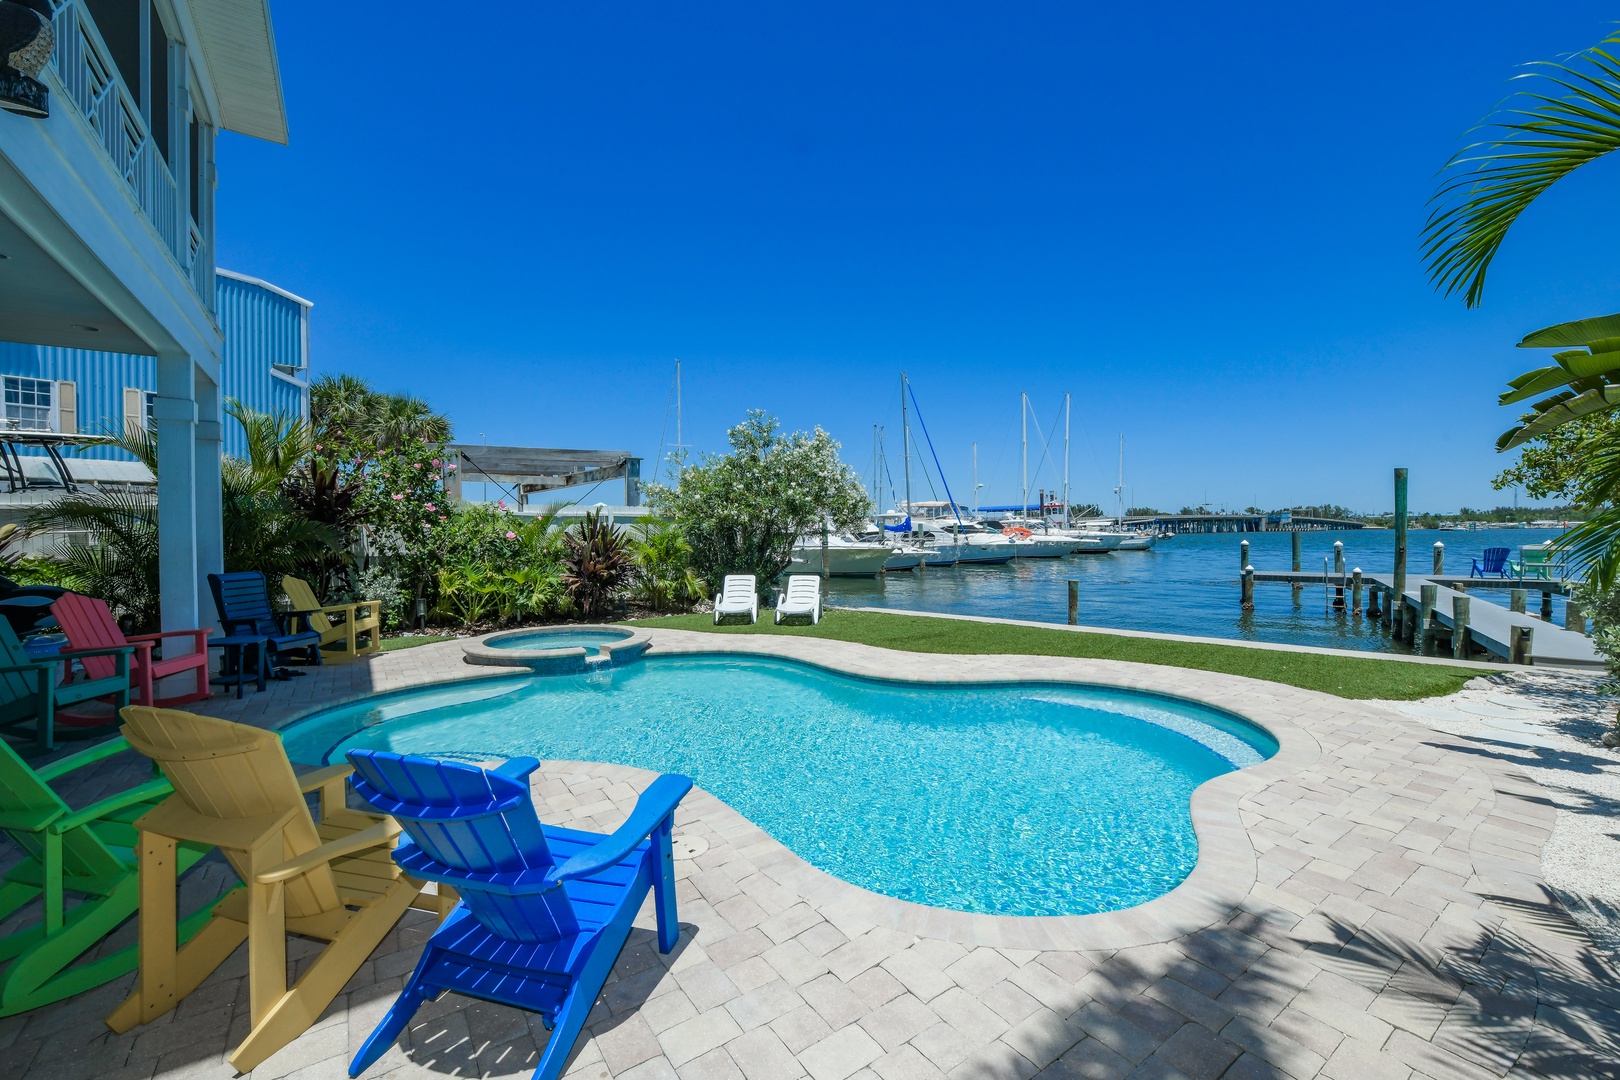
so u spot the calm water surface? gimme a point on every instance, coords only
(1188, 585)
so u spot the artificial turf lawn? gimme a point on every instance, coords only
(1347, 677)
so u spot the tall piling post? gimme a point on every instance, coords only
(1294, 542)
(1338, 572)
(826, 553)
(1243, 555)
(1520, 642)
(1459, 626)
(1248, 588)
(1400, 538)
(1423, 632)
(1074, 602)
(1516, 598)
(1355, 591)
(1439, 558)
(1546, 606)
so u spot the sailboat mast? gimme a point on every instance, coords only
(1023, 421)
(678, 447)
(975, 479)
(1065, 461)
(1120, 491)
(905, 431)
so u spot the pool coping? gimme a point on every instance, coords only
(561, 661)
(1227, 867)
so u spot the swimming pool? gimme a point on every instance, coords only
(1010, 799)
(556, 639)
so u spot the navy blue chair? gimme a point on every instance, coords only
(243, 602)
(1495, 564)
(544, 911)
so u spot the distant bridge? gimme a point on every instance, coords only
(1282, 521)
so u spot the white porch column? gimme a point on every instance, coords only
(209, 514)
(179, 576)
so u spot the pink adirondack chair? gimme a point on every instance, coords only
(88, 624)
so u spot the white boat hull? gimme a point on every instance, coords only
(842, 561)
(903, 560)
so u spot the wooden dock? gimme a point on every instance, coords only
(1490, 626)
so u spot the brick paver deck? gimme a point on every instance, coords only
(1368, 904)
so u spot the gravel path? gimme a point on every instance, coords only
(1550, 723)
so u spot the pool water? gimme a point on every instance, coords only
(1026, 799)
(561, 639)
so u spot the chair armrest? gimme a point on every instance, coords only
(63, 766)
(111, 650)
(44, 663)
(167, 634)
(95, 811)
(379, 834)
(656, 803)
(517, 768)
(316, 778)
(29, 820)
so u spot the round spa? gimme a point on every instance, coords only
(558, 650)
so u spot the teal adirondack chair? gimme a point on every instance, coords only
(88, 854)
(31, 690)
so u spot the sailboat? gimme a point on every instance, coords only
(1134, 540)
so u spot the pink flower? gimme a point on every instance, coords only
(429, 508)
(501, 503)
(443, 518)
(511, 536)
(416, 464)
(398, 497)
(318, 446)
(451, 467)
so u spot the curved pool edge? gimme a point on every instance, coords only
(568, 660)
(1224, 875)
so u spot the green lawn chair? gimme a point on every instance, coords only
(86, 853)
(31, 690)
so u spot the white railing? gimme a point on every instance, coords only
(87, 72)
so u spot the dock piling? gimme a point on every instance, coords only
(1574, 615)
(1459, 626)
(1439, 558)
(1423, 633)
(1074, 602)
(1243, 556)
(1338, 570)
(1390, 602)
(1546, 607)
(1400, 537)
(1516, 598)
(1355, 591)
(1520, 639)
(1248, 586)
(826, 555)
(1294, 542)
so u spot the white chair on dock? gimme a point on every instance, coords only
(801, 597)
(738, 596)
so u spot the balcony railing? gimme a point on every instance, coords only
(88, 75)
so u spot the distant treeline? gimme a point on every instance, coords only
(1500, 515)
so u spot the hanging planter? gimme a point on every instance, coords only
(27, 40)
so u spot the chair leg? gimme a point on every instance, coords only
(669, 927)
(393, 1022)
(565, 1031)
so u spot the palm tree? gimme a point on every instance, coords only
(344, 408)
(117, 558)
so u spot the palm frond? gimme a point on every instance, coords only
(1540, 136)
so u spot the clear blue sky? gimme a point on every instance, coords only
(1199, 219)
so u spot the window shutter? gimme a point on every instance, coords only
(134, 410)
(67, 408)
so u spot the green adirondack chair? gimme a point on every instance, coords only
(31, 690)
(88, 854)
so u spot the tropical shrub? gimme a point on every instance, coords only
(741, 512)
(597, 564)
(663, 577)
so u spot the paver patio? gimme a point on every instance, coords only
(1367, 904)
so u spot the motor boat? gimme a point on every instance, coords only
(904, 558)
(970, 542)
(846, 556)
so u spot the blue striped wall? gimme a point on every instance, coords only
(262, 327)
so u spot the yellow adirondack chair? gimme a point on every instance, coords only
(333, 880)
(349, 630)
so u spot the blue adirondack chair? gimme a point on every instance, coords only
(243, 602)
(544, 911)
(1495, 563)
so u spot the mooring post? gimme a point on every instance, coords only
(1074, 602)
(1248, 587)
(1423, 632)
(1400, 536)
(1355, 591)
(1293, 538)
(1520, 639)
(1439, 558)
(1459, 626)
(1516, 600)
(1372, 599)
(1574, 615)
(1338, 572)
(1546, 606)
(1243, 556)
(1391, 604)
(826, 554)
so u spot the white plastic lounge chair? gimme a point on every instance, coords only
(737, 596)
(801, 597)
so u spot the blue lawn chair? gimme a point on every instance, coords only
(243, 602)
(544, 911)
(1495, 564)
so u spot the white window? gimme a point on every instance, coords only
(28, 404)
(151, 420)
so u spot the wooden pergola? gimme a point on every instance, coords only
(531, 470)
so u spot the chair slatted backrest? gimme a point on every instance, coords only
(1495, 559)
(19, 691)
(230, 771)
(243, 601)
(303, 599)
(89, 624)
(471, 822)
(738, 589)
(803, 589)
(23, 792)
